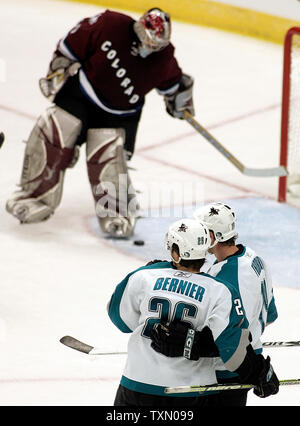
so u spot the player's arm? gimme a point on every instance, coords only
(179, 97)
(231, 342)
(272, 313)
(71, 51)
(82, 40)
(124, 305)
(236, 352)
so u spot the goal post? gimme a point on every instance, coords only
(290, 116)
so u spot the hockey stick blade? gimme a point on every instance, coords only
(268, 172)
(76, 344)
(2, 137)
(217, 387)
(73, 343)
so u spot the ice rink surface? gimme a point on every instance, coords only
(57, 276)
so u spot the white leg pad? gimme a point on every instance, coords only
(115, 198)
(50, 149)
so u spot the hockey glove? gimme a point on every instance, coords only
(60, 69)
(178, 339)
(258, 371)
(182, 99)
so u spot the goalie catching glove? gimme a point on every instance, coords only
(182, 99)
(178, 339)
(60, 69)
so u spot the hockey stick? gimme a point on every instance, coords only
(73, 343)
(230, 386)
(281, 344)
(76, 344)
(2, 137)
(274, 171)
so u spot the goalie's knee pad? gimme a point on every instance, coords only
(115, 198)
(50, 149)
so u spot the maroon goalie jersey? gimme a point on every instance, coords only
(113, 75)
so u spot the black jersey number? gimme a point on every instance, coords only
(163, 307)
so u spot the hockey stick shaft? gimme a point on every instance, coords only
(230, 386)
(60, 73)
(275, 171)
(280, 344)
(76, 344)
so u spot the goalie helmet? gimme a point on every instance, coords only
(153, 30)
(219, 218)
(192, 238)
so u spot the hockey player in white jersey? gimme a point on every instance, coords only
(172, 292)
(248, 273)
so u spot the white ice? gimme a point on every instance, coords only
(57, 276)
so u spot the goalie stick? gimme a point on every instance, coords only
(268, 172)
(229, 386)
(76, 344)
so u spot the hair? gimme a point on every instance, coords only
(195, 264)
(230, 242)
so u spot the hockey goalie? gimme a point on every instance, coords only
(97, 81)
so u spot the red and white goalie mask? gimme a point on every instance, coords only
(153, 30)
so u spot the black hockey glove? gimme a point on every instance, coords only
(178, 339)
(258, 371)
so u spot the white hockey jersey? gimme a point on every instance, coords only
(249, 274)
(160, 292)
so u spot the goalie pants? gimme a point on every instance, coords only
(71, 99)
(129, 398)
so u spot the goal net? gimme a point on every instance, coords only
(290, 117)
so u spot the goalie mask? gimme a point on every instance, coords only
(220, 219)
(192, 238)
(153, 30)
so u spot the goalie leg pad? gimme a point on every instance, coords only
(50, 149)
(115, 198)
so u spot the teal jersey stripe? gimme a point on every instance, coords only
(229, 274)
(237, 322)
(272, 312)
(114, 305)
